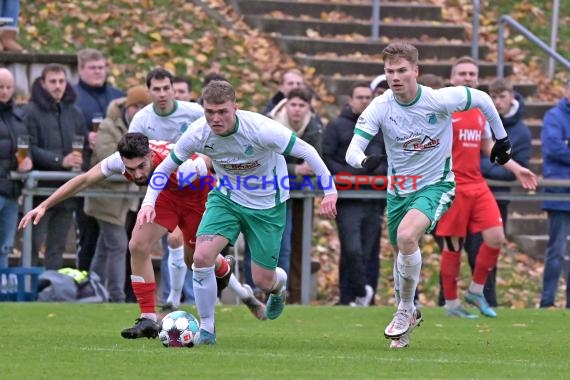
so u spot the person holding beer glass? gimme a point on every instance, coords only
(13, 156)
(53, 121)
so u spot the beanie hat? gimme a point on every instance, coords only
(380, 80)
(137, 95)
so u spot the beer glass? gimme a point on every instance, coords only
(96, 119)
(77, 145)
(23, 143)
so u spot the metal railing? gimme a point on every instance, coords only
(375, 19)
(505, 19)
(31, 190)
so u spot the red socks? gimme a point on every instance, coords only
(144, 291)
(223, 269)
(450, 263)
(487, 258)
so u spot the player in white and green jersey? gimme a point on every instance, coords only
(416, 125)
(247, 151)
(165, 118)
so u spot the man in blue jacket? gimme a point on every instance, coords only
(556, 155)
(94, 95)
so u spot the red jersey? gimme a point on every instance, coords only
(469, 127)
(160, 150)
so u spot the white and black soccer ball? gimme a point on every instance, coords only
(178, 329)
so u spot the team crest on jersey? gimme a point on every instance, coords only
(419, 144)
(248, 150)
(183, 126)
(432, 118)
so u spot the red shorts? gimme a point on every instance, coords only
(182, 208)
(474, 209)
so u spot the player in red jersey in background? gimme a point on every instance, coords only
(475, 208)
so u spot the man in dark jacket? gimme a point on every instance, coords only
(511, 108)
(94, 95)
(12, 128)
(53, 121)
(359, 221)
(291, 79)
(556, 154)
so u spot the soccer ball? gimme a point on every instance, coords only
(178, 329)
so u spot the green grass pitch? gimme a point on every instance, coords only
(71, 341)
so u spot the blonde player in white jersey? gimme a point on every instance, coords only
(247, 152)
(416, 123)
(166, 119)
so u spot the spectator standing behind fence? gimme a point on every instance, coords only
(54, 122)
(109, 261)
(292, 78)
(9, 32)
(359, 221)
(94, 95)
(511, 108)
(12, 131)
(379, 85)
(555, 137)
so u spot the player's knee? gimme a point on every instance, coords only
(407, 239)
(139, 247)
(174, 240)
(203, 259)
(264, 280)
(495, 240)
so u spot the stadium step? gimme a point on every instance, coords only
(390, 10)
(334, 38)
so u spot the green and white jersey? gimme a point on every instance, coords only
(249, 163)
(166, 127)
(419, 135)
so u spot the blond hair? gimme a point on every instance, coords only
(218, 92)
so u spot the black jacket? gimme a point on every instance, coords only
(11, 126)
(51, 127)
(337, 137)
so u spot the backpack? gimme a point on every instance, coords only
(71, 285)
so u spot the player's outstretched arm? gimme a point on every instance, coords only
(69, 189)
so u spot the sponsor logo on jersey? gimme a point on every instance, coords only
(419, 144)
(241, 167)
(209, 147)
(469, 135)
